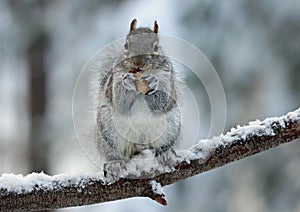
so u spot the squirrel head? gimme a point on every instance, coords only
(140, 44)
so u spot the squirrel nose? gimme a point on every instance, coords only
(138, 61)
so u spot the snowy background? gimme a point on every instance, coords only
(253, 45)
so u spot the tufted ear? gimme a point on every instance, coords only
(155, 28)
(133, 25)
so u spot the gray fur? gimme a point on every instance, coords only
(123, 114)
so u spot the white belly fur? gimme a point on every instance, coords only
(141, 126)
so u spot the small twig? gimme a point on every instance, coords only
(158, 193)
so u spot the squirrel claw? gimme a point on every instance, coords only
(128, 81)
(153, 83)
(149, 77)
(114, 169)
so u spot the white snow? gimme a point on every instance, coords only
(36, 181)
(257, 127)
(20, 184)
(145, 164)
(156, 187)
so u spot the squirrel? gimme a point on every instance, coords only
(138, 100)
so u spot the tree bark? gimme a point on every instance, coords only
(75, 190)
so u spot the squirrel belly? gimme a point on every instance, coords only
(140, 127)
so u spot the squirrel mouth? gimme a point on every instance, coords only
(135, 70)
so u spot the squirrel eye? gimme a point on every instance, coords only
(155, 48)
(126, 45)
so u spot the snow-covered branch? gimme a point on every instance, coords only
(40, 191)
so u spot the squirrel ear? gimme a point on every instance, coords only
(133, 25)
(155, 28)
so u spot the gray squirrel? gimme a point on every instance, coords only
(138, 101)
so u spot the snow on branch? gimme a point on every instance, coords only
(41, 191)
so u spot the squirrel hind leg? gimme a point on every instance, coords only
(114, 169)
(167, 156)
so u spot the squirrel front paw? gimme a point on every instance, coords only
(152, 82)
(128, 81)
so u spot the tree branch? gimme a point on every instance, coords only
(40, 191)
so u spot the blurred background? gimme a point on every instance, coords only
(253, 45)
